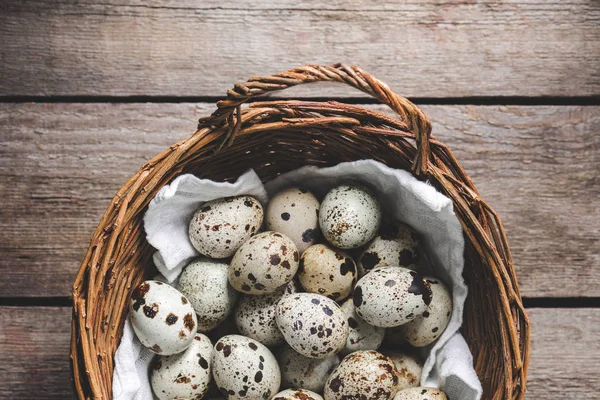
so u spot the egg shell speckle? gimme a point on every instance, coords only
(183, 375)
(300, 371)
(349, 217)
(244, 368)
(391, 296)
(426, 328)
(219, 227)
(295, 213)
(366, 375)
(264, 263)
(396, 245)
(205, 284)
(421, 393)
(409, 369)
(361, 336)
(297, 394)
(313, 325)
(327, 271)
(255, 316)
(162, 318)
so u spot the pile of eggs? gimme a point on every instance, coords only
(308, 305)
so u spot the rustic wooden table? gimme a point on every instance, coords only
(90, 90)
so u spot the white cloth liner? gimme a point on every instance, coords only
(449, 365)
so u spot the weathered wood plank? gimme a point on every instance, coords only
(433, 48)
(34, 343)
(60, 165)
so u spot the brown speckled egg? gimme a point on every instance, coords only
(396, 245)
(409, 369)
(264, 263)
(297, 394)
(255, 316)
(327, 271)
(162, 318)
(184, 375)
(421, 393)
(391, 296)
(300, 371)
(245, 368)
(221, 226)
(367, 375)
(313, 325)
(426, 328)
(349, 216)
(295, 213)
(362, 336)
(204, 283)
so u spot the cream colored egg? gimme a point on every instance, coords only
(297, 394)
(221, 226)
(362, 336)
(300, 371)
(421, 393)
(327, 271)
(295, 213)
(409, 369)
(263, 264)
(426, 328)
(349, 216)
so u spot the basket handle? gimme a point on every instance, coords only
(353, 76)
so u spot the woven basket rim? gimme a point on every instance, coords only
(313, 132)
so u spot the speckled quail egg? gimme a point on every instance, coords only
(396, 245)
(221, 226)
(264, 263)
(255, 315)
(300, 371)
(349, 216)
(205, 284)
(409, 369)
(391, 296)
(244, 368)
(314, 325)
(184, 375)
(295, 213)
(361, 336)
(327, 271)
(427, 327)
(363, 375)
(297, 394)
(421, 393)
(162, 318)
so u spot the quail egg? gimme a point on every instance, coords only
(264, 263)
(295, 213)
(221, 226)
(244, 368)
(363, 375)
(421, 393)
(300, 371)
(162, 318)
(255, 316)
(204, 283)
(314, 325)
(349, 216)
(327, 271)
(396, 245)
(297, 394)
(362, 336)
(427, 327)
(391, 296)
(184, 375)
(409, 369)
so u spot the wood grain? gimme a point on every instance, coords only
(433, 48)
(60, 165)
(34, 342)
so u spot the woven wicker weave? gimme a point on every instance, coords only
(278, 136)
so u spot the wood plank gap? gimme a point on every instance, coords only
(474, 100)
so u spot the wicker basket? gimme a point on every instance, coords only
(278, 136)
